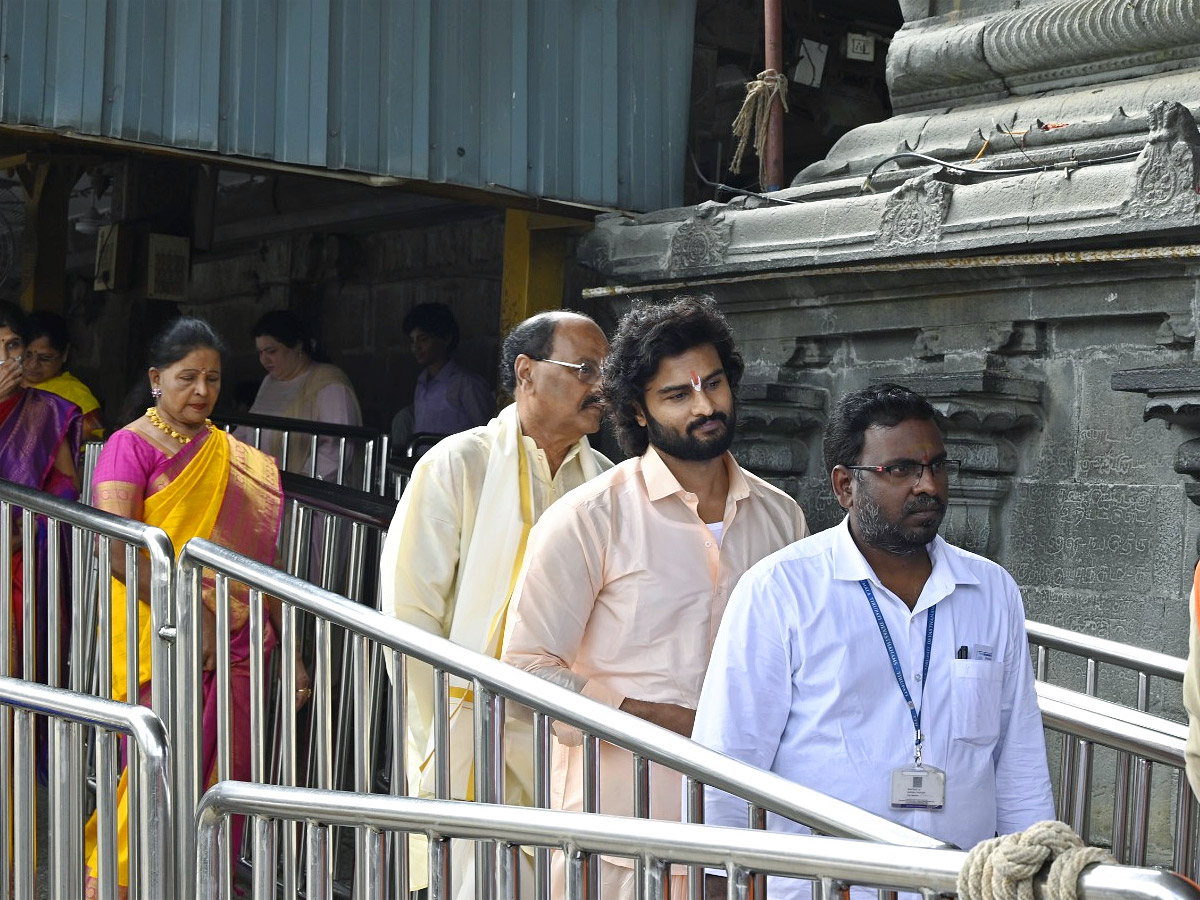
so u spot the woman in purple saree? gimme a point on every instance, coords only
(40, 435)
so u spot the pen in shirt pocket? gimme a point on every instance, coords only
(982, 653)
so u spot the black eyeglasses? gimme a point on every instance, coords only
(585, 372)
(911, 471)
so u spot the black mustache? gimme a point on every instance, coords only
(592, 400)
(924, 503)
(715, 417)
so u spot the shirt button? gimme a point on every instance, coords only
(917, 677)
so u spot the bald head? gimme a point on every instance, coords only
(534, 338)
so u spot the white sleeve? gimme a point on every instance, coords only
(1023, 793)
(747, 693)
(336, 405)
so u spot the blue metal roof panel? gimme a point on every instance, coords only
(577, 100)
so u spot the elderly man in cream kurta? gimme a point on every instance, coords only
(626, 578)
(452, 554)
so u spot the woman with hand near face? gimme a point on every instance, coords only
(40, 435)
(172, 468)
(39, 432)
(46, 369)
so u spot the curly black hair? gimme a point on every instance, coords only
(646, 335)
(883, 404)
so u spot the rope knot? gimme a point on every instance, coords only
(1004, 868)
(752, 118)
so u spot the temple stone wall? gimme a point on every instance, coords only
(1064, 483)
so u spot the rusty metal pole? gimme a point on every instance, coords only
(772, 162)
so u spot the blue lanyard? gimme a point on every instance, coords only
(892, 655)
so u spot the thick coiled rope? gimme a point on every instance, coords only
(1003, 868)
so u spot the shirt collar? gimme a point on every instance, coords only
(444, 373)
(948, 569)
(660, 482)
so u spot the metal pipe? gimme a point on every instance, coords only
(1081, 802)
(287, 731)
(1141, 812)
(221, 640)
(541, 799)
(791, 855)
(1183, 860)
(399, 773)
(489, 761)
(24, 870)
(1120, 828)
(360, 692)
(772, 162)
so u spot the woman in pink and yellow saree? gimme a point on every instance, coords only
(173, 469)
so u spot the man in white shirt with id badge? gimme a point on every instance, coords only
(874, 661)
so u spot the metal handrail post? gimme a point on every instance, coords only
(152, 760)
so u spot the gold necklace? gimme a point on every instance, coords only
(157, 422)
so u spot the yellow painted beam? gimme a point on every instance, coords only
(535, 252)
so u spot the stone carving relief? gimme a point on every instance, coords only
(776, 420)
(700, 241)
(914, 213)
(1172, 395)
(1039, 45)
(1168, 169)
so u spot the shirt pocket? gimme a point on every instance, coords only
(975, 701)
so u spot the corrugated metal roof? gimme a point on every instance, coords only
(582, 101)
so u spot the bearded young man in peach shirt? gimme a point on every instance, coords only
(626, 578)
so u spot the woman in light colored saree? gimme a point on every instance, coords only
(172, 468)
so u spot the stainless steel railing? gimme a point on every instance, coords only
(150, 822)
(78, 540)
(69, 582)
(830, 863)
(1132, 680)
(1050, 642)
(301, 438)
(494, 685)
(1143, 745)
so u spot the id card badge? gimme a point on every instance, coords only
(918, 787)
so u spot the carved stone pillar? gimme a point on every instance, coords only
(1173, 395)
(985, 411)
(776, 422)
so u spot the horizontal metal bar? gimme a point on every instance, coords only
(1115, 726)
(339, 500)
(1127, 656)
(770, 791)
(906, 868)
(127, 530)
(302, 426)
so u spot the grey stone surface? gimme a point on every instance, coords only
(987, 50)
